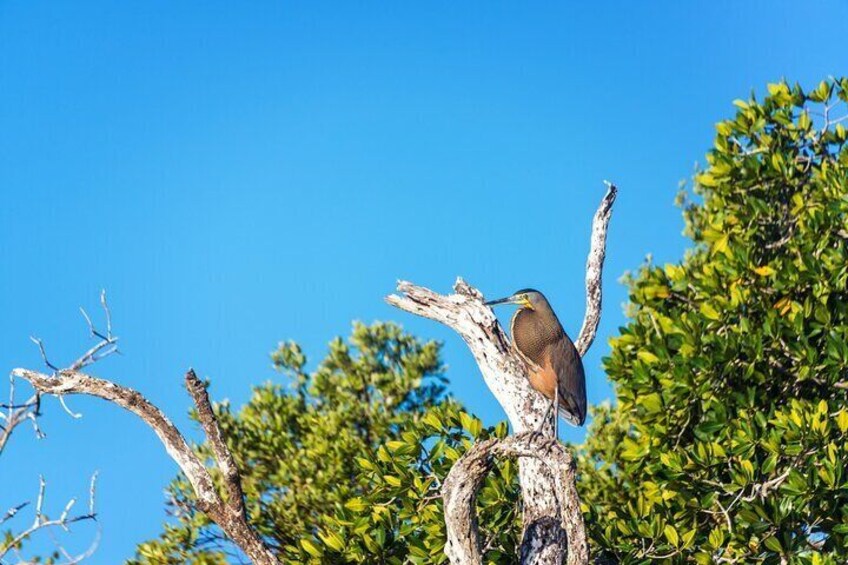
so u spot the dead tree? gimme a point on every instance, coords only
(229, 511)
(553, 524)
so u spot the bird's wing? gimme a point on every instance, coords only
(572, 381)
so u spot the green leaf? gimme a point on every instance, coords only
(432, 420)
(709, 311)
(392, 480)
(647, 357)
(716, 538)
(773, 544)
(651, 402)
(671, 535)
(357, 504)
(332, 540)
(311, 548)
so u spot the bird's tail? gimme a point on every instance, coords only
(573, 419)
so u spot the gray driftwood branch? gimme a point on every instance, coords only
(545, 540)
(228, 514)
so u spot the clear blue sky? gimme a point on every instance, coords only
(239, 174)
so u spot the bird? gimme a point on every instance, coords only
(556, 369)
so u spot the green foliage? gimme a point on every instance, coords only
(344, 466)
(728, 441)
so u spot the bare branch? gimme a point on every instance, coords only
(505, 373)
(40, 344)
(33, 418)
(107, 312)
(91, 492)
(503, 370)
(231, 516)
(107, 344)
(40, 500)
(71, 382)
(12, 511)
(226, 461)
(71, 413)
(42, 523)
(16, 414)
(467, 475)
(594, 271)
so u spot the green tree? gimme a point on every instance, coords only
(728, 440)
(344, 465)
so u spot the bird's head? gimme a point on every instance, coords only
(525, 298)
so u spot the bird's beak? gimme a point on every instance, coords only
(507, 300)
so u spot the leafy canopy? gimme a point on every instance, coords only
(728, 441)
(344, 465)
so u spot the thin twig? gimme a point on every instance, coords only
(42, 522)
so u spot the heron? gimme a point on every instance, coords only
(556, 369)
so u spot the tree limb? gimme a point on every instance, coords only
(230, 516)
(505, 373)
(460, 488)
(594, 271)
(223, 455)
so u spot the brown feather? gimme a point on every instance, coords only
(539, 337)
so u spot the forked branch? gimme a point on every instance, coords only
(465, 478)
(228, 513)
(546, 540)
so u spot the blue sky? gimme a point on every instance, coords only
(239, 174)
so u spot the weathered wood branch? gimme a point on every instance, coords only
(594, 271)
(465, 478)
(229, 515)
(226, 463)
(505, 373)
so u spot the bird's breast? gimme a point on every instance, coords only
(544, 379)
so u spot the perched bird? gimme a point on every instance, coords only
(556, 369)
